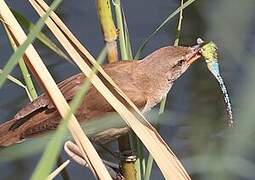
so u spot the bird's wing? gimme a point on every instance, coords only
(44, 104)
(42, 109)
(67, 87)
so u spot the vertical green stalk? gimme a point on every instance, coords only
(127, 39)
(130, 169)
(163, 101)
(178, 32)
(148, 167)
(140, 159)
(123, 47)
(176, 43)
(23, 68)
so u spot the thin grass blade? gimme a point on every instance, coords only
(28, 25)
(26, 75)
(145, 42)
(18, 82)
(52, 151)
(30, 38)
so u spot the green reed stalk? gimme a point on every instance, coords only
(129, 168)
(108, 28)
(176, 43)
(123, 47)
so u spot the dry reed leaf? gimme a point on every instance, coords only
(58, 170)
(37, 66)
(164, 157)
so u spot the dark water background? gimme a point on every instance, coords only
(198, 123)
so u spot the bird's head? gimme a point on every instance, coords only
(172, 61)
(181, 59)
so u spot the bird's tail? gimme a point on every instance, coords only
(8, 137)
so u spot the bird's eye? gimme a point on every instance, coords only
(181, 62)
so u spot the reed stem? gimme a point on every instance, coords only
(108, 28)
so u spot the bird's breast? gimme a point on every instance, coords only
(158, 93)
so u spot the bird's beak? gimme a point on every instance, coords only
(193, 55)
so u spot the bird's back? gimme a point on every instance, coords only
(41, 115)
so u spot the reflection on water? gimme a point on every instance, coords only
(198, 125)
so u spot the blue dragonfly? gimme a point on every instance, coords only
(209, 53)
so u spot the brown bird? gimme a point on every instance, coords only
(145, 82)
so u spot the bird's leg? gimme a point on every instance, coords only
(74, 153)
(114, 154)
